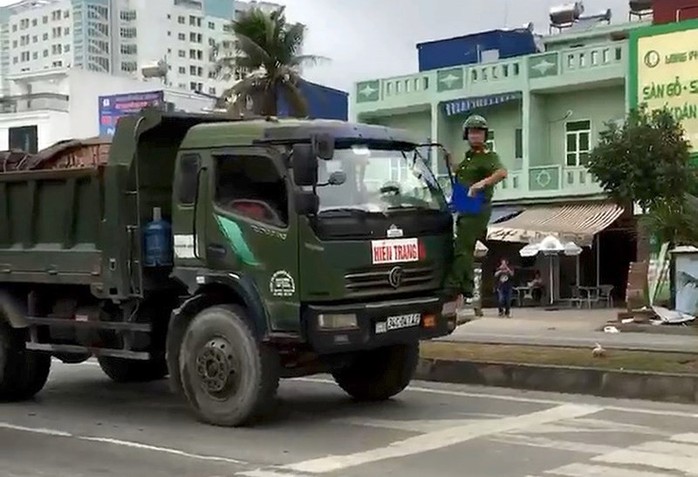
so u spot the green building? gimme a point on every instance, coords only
(546, 111)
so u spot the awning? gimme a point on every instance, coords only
(574, 222)
(464, 105)
(504, 212)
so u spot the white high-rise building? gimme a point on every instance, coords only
(119, 37)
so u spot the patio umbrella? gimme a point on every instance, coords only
(550, 246)
(571, 249)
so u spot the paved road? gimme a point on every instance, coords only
(84, 426)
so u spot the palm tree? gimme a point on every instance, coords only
(269, 50)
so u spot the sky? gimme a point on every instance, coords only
(369, 39)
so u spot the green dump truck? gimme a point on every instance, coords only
(227, 254)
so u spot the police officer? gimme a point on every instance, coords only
(480, 170)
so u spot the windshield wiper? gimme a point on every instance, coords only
(343, 212)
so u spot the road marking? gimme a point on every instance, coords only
(119, 442)
(556, 444)
(651, 455)
(504, 397)
(267, 473)
(35, 430)
(441, 439)
(585, 470)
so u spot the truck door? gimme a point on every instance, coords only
(250, 230)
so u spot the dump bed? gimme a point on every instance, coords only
(73, 213)
(50, 219)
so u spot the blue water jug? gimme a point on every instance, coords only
(157, 249)
(462, 203)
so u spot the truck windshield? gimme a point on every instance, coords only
(378, 180)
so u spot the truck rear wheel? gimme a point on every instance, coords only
(379, 374)
(133, 371)
(23, 373)
(228, 376)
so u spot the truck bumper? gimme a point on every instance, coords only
(362, 326)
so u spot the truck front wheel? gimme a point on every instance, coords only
(23, 373)
(132, 371)
(228, 376)
(379, 374)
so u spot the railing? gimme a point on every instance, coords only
(578, 59)
(34, 102)
(405, 85)
(500, 71)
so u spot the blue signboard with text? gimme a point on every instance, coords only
(112, 107)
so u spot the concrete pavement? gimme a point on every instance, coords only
(84, 425)
(568, 328)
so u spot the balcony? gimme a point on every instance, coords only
(556, 69)
(547, 181)
(34, 102)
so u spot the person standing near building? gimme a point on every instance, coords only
(504, 285)
(479, 171)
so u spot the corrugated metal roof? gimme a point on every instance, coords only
(575, 222)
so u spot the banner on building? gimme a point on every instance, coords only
(663, 62)
(112, 107)
(464, 105)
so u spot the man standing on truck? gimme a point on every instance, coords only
(480, 170)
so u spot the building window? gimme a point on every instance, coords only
(490, 141)
(24, 138)
(128, 32)
(182, 54)
(35, 55)
(57, 49)
(194, 21)
(56, 15)
(14, 27)
(66, 14)
(66, 31)
(45, 19)
(35, 22)
(212, 90)
(192, 70)
(182, 70)
(182, 37)
(181, 20)
(129, 49)
(66, 48)
(195, 37)
(211, 26)
(45, 37)
(35, 39)
(129, 66)
(57, 64)
(14, 44)
(518, 143)
(577, 143)
(25, 56)
(45, 53)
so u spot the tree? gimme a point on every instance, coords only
(269, 49)
(646, 160)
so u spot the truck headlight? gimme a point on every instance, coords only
(337, 321)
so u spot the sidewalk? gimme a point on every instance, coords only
(565, 328)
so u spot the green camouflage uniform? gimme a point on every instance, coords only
(471, 228)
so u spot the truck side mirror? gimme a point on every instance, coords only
(324, 146)
(307, 203)
(304, 165)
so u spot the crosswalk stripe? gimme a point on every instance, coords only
(669, 448)
(690, 437)
(585, 470)
(649, 459)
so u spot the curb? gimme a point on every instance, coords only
(676, 388)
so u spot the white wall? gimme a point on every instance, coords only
(52, 126)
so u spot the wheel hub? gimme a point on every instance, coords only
(215, 367)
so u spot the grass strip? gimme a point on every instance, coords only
(680, 363)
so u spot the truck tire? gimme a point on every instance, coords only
(228, 377)
(23, 373)
(379, 374)
(133, 371)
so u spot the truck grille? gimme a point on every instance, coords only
(376, 280)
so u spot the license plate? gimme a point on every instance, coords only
(403, 321)
(395, 251)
